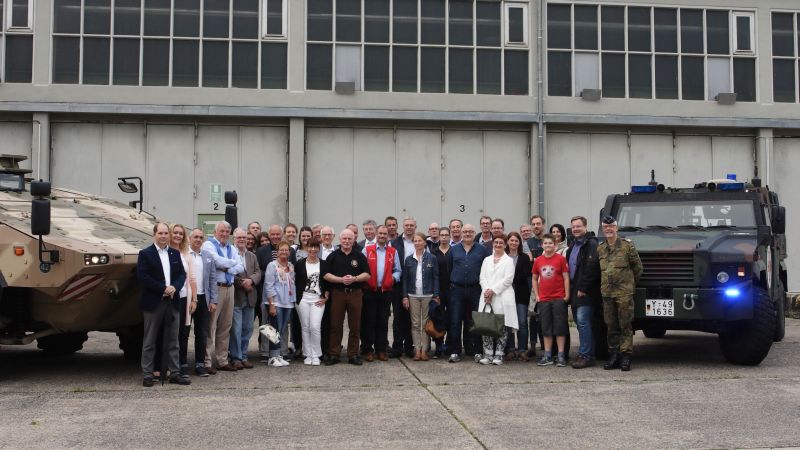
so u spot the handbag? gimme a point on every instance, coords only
(432, 331)
(269, 332)
(488, 323)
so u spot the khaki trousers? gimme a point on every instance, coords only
(418, 307)
(219, 328)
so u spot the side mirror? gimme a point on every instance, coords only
(779, 220)
(231, 212)
(40, 208)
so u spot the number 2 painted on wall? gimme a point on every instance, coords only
(216, 206)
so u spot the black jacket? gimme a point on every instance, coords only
(301, 277)
(522, 280)
(587, 274)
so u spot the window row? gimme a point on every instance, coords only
(428, 22)
(16, 41)
(418, 69)
(648, 29)
(239, 19)
(169, 62)
(785, 56)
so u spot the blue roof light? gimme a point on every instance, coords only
(643, 189)
(732, 293)
(731, 186)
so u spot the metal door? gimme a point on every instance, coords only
(375, 179)
(651, 152)
(419, 176)
(217, 168)
(463, 176)
(693, 160)
(567, 176)
(784, 179)
(732, 155)
(329, 176)
(610, 173)
(123, 155)
(507, 183)
(263, 169)
(16, 140)
(169, 185)
(77, 156)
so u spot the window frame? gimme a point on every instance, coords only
(264, 32)
(8, 5)
(735, 35)
(794, 59)
(506, 28)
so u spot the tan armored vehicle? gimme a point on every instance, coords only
(79, 278)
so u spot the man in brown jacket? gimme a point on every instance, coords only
(244, 302)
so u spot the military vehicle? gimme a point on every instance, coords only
(712, 261)
(79, 278)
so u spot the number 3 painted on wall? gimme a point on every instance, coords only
(461, 208)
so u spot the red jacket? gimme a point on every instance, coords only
(388, 268)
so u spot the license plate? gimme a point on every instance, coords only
(659, 308)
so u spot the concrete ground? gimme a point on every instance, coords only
(680, 394)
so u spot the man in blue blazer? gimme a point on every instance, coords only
(161, 274)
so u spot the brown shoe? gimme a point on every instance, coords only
(238, 365)
(582, 363)
(510, 356)
(247, 364)
(369, 357)
(382, 356)
(227, 368)
(211, 370)
(416, 356)
(522, 356)
(423, 356)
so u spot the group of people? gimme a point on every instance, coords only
(302, 285)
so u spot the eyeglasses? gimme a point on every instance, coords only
(468, 232)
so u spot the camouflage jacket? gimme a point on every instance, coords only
(620, 268)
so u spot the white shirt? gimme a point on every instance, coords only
(164, 256)
(324, 252)
(198, 265)
(185, 289)
(372, 242)
(418, 280)
(312, 290)
(408, 246)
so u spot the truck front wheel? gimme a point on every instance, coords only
(62, 344)
(748, 342)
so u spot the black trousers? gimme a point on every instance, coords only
(401, 323)
(297, 333)
(200, 319)
(375, 321)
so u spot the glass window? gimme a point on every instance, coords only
(558, 26)
(185, 63)
(612, 27)
(97, 16)
(376, 73)
(717, 32)
(66, 60)
(126, 61)
(404, 69)
(18, 58)
(744, 79)
(460, 75)
(215, 64)
(245, 22)
(432, 22)
(516, 72)
(187, 18)
(666, 77)
(488, 71)
(127, 17)
(743, 36)
(95, 69)
(244, 64)
(516, 24)
(319, 66)
(405, 22)
(67, 16)
(460, 22)
(640, 73)
(719, 76)
(320, 20)
(216, 14)
(613, 75)
(348, 20)
(783, 76)
(20, 13)
(587, 72)
(639, 29)
(586, 27)
(376, 23)
(155, 62)
(666, 30)
(432, 69)
(487, 23)
(156, 17)
(348, 65)
(273, 66)
(559, 74)
(691, 31)
(275, 18)
(782, 34)
(692, 77)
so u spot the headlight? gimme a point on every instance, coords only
(723, 277)
(93, 260)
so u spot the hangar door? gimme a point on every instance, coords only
(181, 166)
(16, 140)
(353, 174)
(583, 168)
(787, 184)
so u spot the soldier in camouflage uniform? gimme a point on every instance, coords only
(620, 268)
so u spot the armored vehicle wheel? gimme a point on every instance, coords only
(748, 342)
(62, 344)
(130, 342)
(780, 316)
(654, 332)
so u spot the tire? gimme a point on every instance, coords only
(62, 344)
(780, 316)
(748, 342)
(130, 342)
(654, 332)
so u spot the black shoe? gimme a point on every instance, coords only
(177, 379)
(410, 353)
(625, 364)
(613, 361)
(355, 360)
(147, 382)
(331, 361)
(394, 353)
(200, 371)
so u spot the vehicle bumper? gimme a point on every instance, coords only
(695, 304)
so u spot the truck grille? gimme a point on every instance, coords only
(669, 268)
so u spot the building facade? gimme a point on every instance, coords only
(334, 111)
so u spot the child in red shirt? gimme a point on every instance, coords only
(551, 287)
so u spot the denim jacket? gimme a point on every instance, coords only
(430, 275)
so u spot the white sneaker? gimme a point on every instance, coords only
(307, 361)
(485, 360)
(315, 361)
(283, 361)
(497, 361)
(275, 362)
(478, 357)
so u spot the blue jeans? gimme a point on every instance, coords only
(279, 322)
(522, 332)
(463, 300)
(241, 331)
(583, 319)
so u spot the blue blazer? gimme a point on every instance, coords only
(151, 276)
(430, 275)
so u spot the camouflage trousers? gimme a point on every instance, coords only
(618, 315)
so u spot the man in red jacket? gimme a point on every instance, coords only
(384, 267)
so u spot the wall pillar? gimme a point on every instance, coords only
(764, 155)
(297, 161)
(40, 146)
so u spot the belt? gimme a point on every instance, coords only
(225, 284)
(346, 290)
(463, 285)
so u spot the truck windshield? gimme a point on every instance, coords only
(737, 213)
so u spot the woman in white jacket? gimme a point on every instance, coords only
(497, 274)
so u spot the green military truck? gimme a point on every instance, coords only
(712, 257)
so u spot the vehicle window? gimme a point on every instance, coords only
(738, 213)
